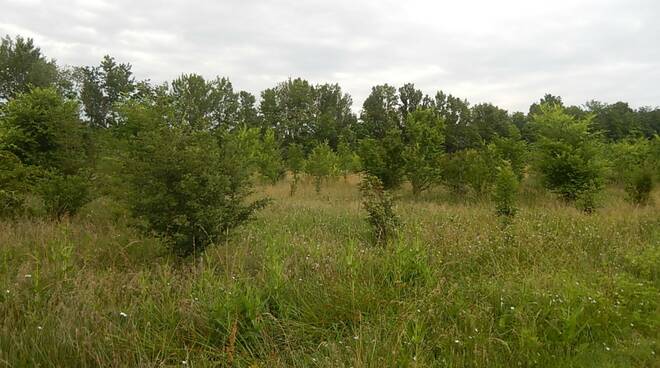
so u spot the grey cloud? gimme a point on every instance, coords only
(508, 52)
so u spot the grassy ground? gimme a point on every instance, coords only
(301, 287)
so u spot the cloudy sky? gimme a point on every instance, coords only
(509, 52)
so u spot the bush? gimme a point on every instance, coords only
(186, 187)
(379, 205)
(13, 185)
(271, 165)
(383, 158)
(424, 149)
(640, 186)
(568, 156)
(295, 160)
(63, 194)
(506, 188)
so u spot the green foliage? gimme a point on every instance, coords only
(295, 160)
(23, 67)
(43, 129)
(383, 158)
(13, 184)
(379, 205)
(185, 187)
(505, 192)
(321, 163)
(424, 148)
(347, 160)
(270, 162)
(640, 185)
(63, 194)
(569, 157)
(101, 87)
(514, 150)
(471, 169)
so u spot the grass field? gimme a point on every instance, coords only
(301, 286)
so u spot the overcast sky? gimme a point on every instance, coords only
(509, 52)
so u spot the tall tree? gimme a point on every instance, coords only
(380, 112)
(22, 67)
(424, 148)
(411, 99)
(101, 87)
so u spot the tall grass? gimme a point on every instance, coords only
(301, 286)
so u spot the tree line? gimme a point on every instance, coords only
(183, 155)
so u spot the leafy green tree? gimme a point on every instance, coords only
(43, 131)
(514, 150)
(616, 121)
(23, 67)
(183, 184)
(424, 149)
(271, 164)
(506, 189)
(411, 99)
(13, 184)
(459, 132)
(380, 113)
(490, 121)
(471, 169)
(569, 157)
(347, 160)
(383, 158)
(295, 160)
(101, 87)
(321, 164)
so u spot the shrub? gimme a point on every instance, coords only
(379, 205)
(186, 187)
(383, 158)
(506, 188)
(569, 156)
(63, 194)
(640, 186)
(13, 185)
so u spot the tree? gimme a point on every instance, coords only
(424, 148)
(23, 67)
(411, 100)
(321, 164)
(347, 160)
(295, 160)
(103, 86)
(616, 121)
(569, 156)
(183, 185)
(506, 188)
(459, 133)
(271, 165)
(380, 112)
(383, 158)
(379, 205)
(43, 131)
(490, 121)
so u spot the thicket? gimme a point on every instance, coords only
(183, 156)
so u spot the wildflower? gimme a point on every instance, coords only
(355, 338)
(27, 276)
(7, 291)
(123, 314)
(513, 308)
(457, 341)
(39, 328)
(184, 362)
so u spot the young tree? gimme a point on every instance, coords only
(506, 189)
(295, 160)
(271, 165)
(347, 160)
(569, 157)
(321, 164)
(424, 149)
(379, 205)
(383, 158)
(184, 185)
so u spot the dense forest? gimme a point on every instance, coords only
(190, 224)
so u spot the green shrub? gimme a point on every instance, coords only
(186, 187)
(270, 162)
(568, 156)
(640, 186)
(424, 148)
(63, 194)
(383, 158)
(379, 205)
(295, 160)
(506, 189)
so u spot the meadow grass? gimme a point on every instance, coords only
(302, 286)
